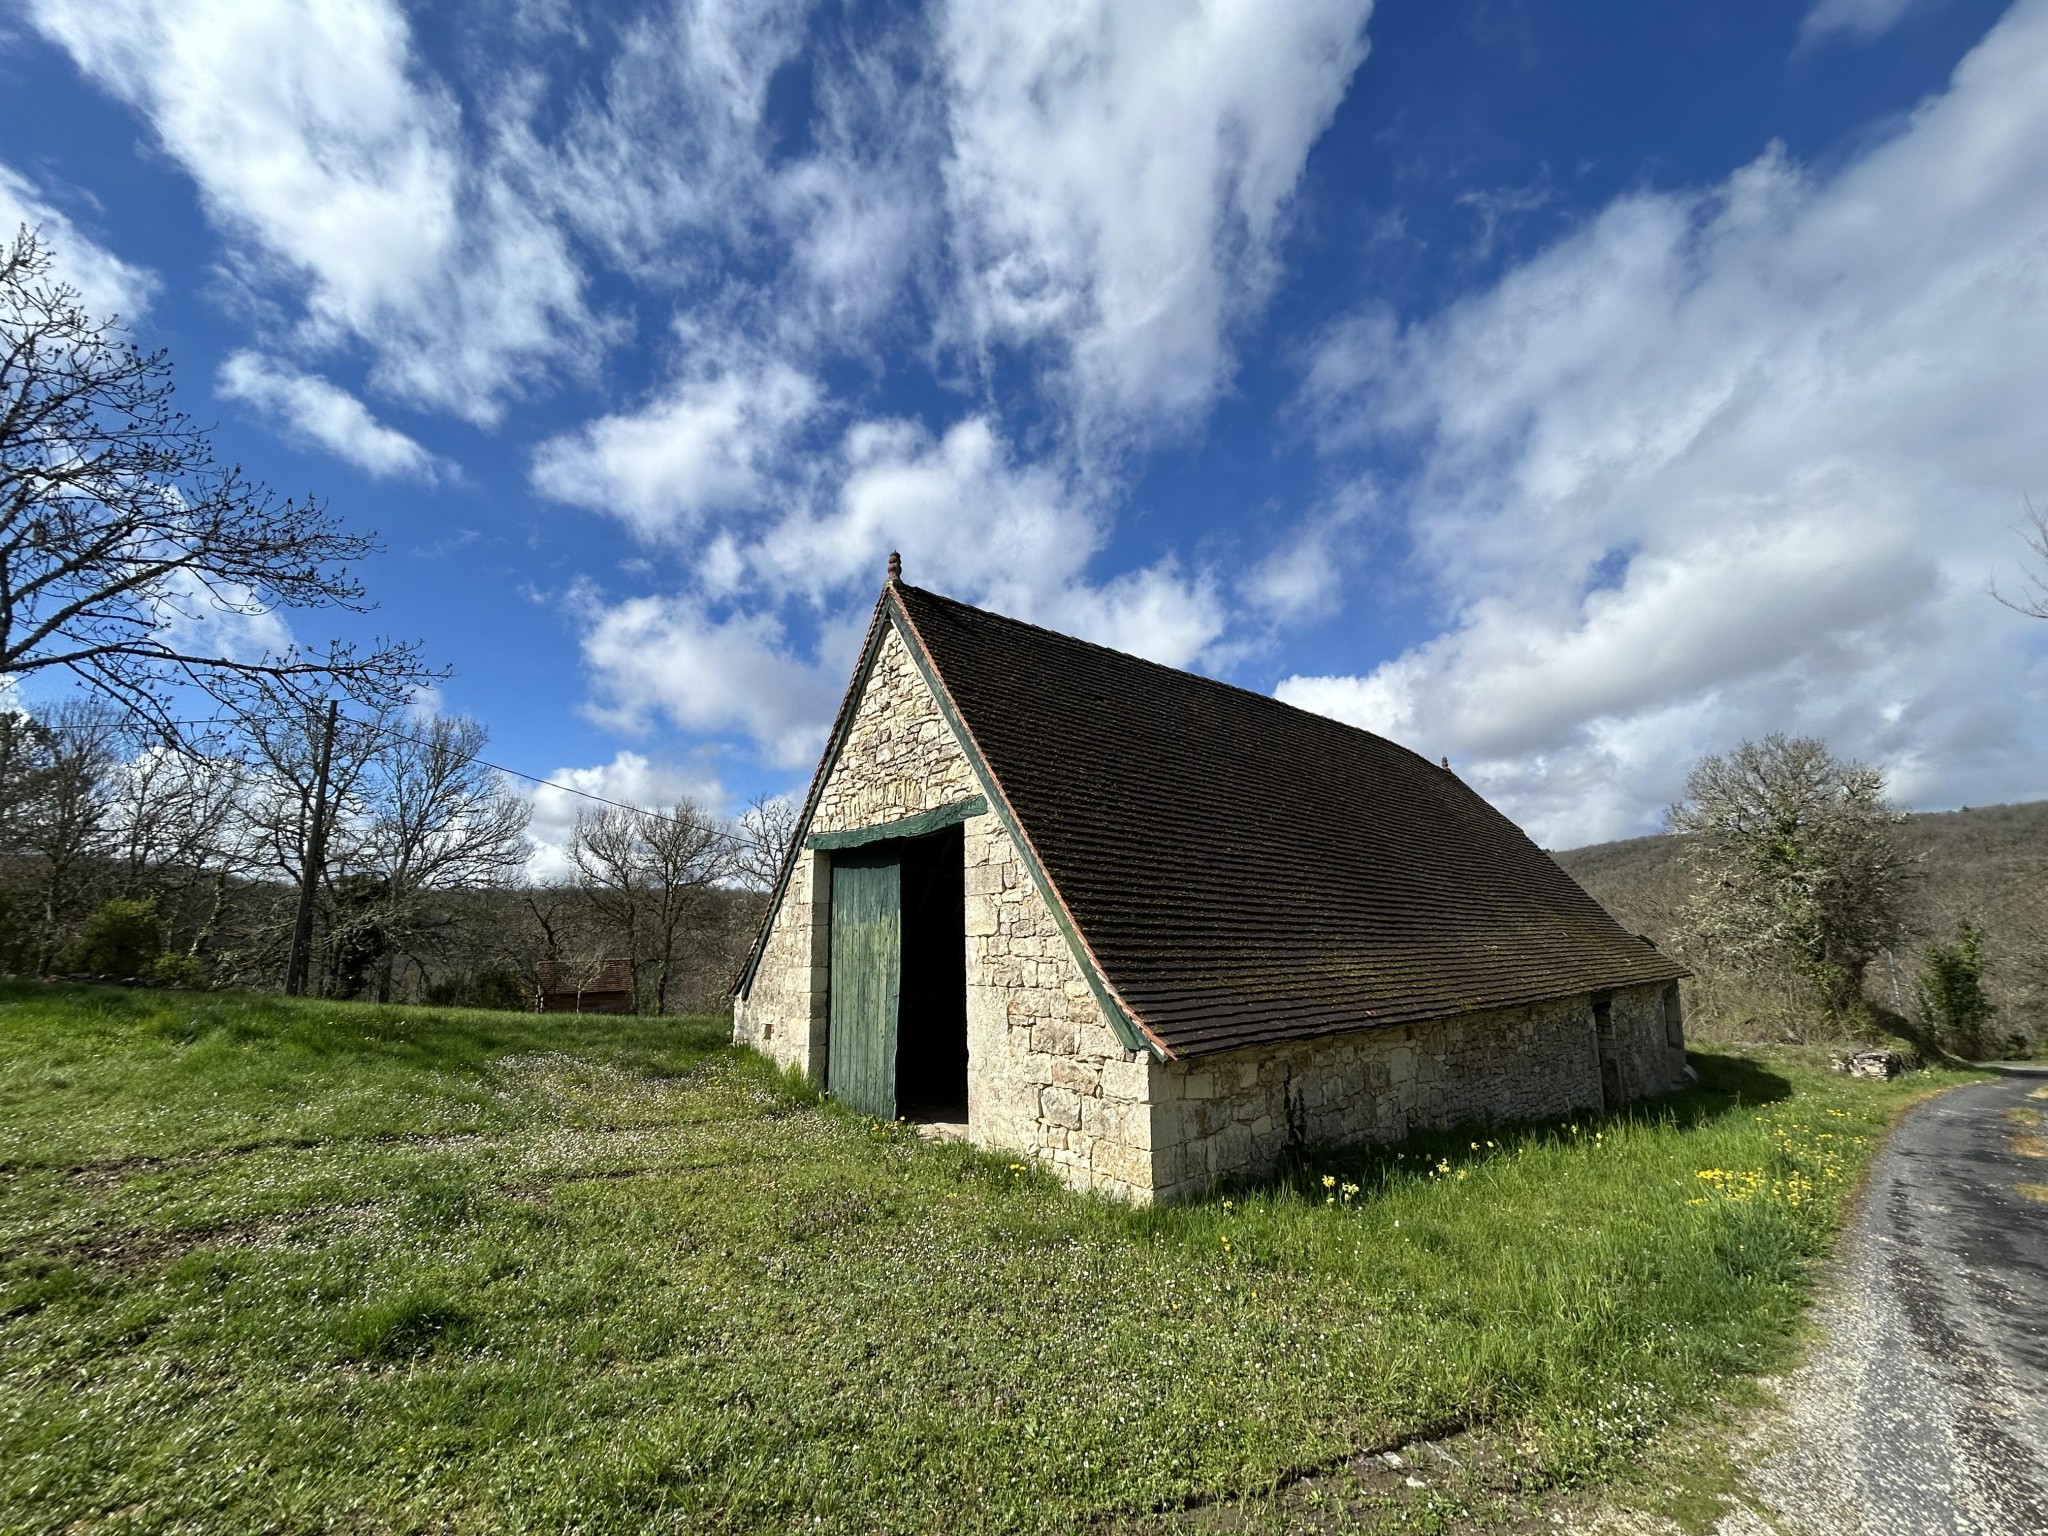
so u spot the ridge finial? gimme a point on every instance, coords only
(895, 566)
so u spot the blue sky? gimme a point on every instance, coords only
(1566, 388)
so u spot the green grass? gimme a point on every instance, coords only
(297, 1267)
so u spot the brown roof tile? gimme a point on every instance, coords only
(1244, 871)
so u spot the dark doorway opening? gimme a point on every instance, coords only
(931, 1040)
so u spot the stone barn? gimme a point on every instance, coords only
(1151, 929)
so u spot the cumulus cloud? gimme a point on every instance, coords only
(107, 284)
(669, 658)
(309, 409)
(974, 520)
(1730, 461)
(971, 520)
(1118, 176)
(715, 440)
(223, 619)
(630, 778)
(345, 174)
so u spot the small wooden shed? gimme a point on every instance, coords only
(606, 987)
(1151, 929)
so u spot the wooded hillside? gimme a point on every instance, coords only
(1986, 865)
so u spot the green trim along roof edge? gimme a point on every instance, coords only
(909, 826)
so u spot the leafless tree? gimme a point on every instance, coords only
(645, 873)
(180, 829)
(438, 820)
(120, 534)
(1796, 863)
(766, 829)
(2032, 598)
(282, 738)
(59, 808)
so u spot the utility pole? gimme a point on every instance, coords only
(313, 865)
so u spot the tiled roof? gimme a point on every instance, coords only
(609, 976)
(1243, 871)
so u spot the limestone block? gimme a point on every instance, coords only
(1125, 1077)
(1060, 1107)
(1069, 1072)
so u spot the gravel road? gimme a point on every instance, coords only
(1925, 1410)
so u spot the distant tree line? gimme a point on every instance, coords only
(124, 855)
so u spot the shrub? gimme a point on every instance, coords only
(175, 969)
(491, 987)
(120, 939)
(1950, 993)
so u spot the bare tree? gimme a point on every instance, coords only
(1796, 862)
(120, 533)
(181, 835)
(2033, 594)
(438, 820)
(62, 765)
(282, 739)
(645, 872)
(766, 829)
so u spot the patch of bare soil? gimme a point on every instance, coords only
(138, 1250)
(1466, 1483)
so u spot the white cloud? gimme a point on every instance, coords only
(310, 409)
(666, 657)
(107, 284)
(317, 144)
(1730, 462)
(1860, 20)
(1303, 577)
(972, 520)
(962, 511)
(630, 778)
(715, 441)
(219, 619)
(1119, 172)
(968, 519)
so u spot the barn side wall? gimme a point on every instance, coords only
(1232, 1115)
(1046, 1075)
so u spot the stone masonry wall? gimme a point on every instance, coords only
(1231, 1115)
(1046, 1076)
(783, 1013)
(1045, 1072)
(899, 758)
(1649, 1043)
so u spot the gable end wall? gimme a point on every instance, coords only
(1047, 1076)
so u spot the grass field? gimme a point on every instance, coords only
(298, 1267)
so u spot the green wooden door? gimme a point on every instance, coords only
(867, 979)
